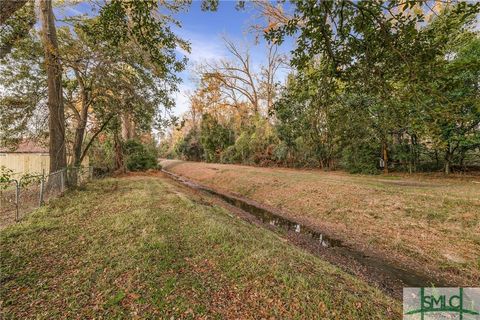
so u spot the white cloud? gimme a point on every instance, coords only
(209, 48)
(204, 48)
(182, 103)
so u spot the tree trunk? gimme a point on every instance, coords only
(413, 158)
(56, 121)
(448, 159)
(119, 165)
(128, 127)
(81, 126)
(447, 167)
(79, 135)
(385, 158)
(89, 144)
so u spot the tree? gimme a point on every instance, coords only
(56, 122)
(22, 109)
(16, 27)
(376, 50)
(8, 8)
(446, 91)
(237, 80)
(305, 113)
(214, 137)
(119, 23)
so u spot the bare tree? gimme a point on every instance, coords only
(240, 79)
(275, 61)
(236, 75)
(272, 16)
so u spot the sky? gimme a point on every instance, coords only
(204, 30)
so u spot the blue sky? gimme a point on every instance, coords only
(204, 30)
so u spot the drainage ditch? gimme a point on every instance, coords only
(383, 274)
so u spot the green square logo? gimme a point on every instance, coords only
(441, 303)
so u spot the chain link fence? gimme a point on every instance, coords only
(8, 201)
(18, 197)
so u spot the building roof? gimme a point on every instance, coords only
(26, 146)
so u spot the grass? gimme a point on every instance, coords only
(418, 221)
(137, 247)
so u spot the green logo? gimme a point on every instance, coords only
(441, 303)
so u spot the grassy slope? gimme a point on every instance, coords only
(427, 223)
(138, 248)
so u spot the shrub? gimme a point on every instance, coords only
(190, 148)
(139, 157)
(360, 158)
(230, 155)
(214, 138)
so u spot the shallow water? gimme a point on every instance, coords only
(385, 271)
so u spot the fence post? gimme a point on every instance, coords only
(42, 183)
(17, 196)
(62, 180)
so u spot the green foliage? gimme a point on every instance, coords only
(190, 148)
(448, 107)
(102, 153)
(214, 137)
(140, 157)
(360, 158)
(304, 114)
(5, 176)
(16, 28)
(129, 21)
(23, 80)
(380, 82)
(254, 145)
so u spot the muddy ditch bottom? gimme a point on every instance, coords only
(386, 276)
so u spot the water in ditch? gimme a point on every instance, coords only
(385, 271)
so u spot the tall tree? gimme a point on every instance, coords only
(56, 122)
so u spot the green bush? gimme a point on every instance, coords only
(230, 155)
(140, 157)
(360, 158)
(190, 147)
(214, 138)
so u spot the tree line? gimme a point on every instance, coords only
(368, 85)
(89, 82)
(371, 86)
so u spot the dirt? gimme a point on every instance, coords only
(416, 223)
(371, 269)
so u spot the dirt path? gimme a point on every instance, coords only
(426, 224)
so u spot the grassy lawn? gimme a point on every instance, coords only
(137, 247)
(431, 224)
